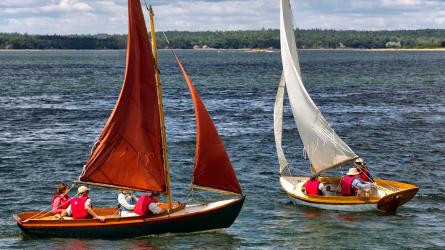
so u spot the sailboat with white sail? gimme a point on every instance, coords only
(324, 148)
(131, 154)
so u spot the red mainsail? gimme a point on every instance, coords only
(129, 150)
(212, 164)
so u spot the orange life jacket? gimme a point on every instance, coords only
(346, 186)
(312, 187)
(142, 204)
(78, 207)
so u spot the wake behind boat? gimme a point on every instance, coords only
(131, 154)
(324, 148)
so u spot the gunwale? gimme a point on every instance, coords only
(404, 191)
(177, 212)
(221, 213)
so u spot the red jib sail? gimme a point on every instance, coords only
(129, 150)
(212, 164)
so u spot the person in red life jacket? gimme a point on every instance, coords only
(80, 206)
(313, 186)
(363, 170)
(60, 200)
(147, 203)
(352, 185)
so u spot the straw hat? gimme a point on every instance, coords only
(82, 189)
(359, 160)
(352, 171)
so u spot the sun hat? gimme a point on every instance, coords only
(359, 160)
(352, 171)
(82, 189)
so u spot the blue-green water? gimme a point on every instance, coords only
(388, 106)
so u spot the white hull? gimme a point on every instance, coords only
(348, 208)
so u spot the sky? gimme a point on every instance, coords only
(110, 16)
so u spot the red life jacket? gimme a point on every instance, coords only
(78, 207)
(63, 201)
(142, 204)
(312, 187)
(363, 172)
(346, 186)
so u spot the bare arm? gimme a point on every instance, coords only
(155, 209)
(93, 214)
(64, 212)
(361, 186)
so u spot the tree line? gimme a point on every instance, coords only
(265, 38)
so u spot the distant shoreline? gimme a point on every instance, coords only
(255, 50)
(258, 40)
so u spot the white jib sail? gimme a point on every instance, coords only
(278, 125)
(322, 145)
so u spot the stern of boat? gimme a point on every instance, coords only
(396, 194)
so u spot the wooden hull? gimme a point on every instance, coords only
(182, 219)
(386, 195)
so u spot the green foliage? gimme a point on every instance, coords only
(25, 41)
(265, 38)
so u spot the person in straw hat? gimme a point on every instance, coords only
(80, 206)
(352, 185)
(363, 170)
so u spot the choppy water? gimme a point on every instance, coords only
(388, 106)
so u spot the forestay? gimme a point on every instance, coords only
(212, 164)
(322, 145)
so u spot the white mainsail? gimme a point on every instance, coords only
(322, 145)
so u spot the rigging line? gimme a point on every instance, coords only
(289, 167)
(191, 194)
(94, 145)
(50, 205)
(115, 212)
(146, 5)
(174, 54)
(168, 43)
(373, 177)
(157, 23)
(289, 170)
(389, 185)
(339, 182)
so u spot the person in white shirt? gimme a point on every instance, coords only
(127, 201)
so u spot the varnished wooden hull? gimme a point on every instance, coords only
(182, 219)
(387, 195)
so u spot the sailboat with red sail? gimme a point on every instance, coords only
(131, 153)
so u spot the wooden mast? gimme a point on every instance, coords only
(161, 110)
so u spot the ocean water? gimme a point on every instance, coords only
(388, 106)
